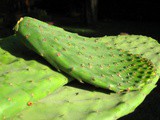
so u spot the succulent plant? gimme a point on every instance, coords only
(145, 46)
(82, 102)
(23, 80)
(87, 59)
(127, 65)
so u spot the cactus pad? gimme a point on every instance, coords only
(87, 59)
(147, 47)
(22, 82)
(83, 102)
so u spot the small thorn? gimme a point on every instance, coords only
(44, 40)
(84, 39)
(108, 66)
(121, 55)
(11, 84)
(134, 73)
(70, 37)
(77, 93)
(90, 57)
(79, 53)
(27, 36)
(111, 77)
(119, 84)
(64, 49)
(27, 24)
(32, 94)
(55, 39)
(27, 69)
(93, 79)
(83, 48)
(30, 81)
(121, 50)
(90, 66)
(42, 54)
(110, 48)
(115, 44)
(69, 44)
(101, 67)
(107, 43)
(128, 89)
(102, 75)
(96, 48)
(4, 118)
(9, 99)
(96, 40)
(82, 65)
(102, 56)
(118, 74)
(80, 81)
(109, 87)
(49, 79)
(72, 69)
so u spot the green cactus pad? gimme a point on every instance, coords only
(147, 47)
(83, 102)
(22, 82)
(86, 59)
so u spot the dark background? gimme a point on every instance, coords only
(110, 18)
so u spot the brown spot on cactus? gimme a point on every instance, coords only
(29, 103)
(58, 54)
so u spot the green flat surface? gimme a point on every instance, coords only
(23, 79)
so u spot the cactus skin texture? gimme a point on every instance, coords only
(84, 102)
(72, 101)
(87, 59)
(147, 47)
(22, 79)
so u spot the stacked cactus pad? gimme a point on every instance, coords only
(87, 59)
(127, 65)
(23, 81)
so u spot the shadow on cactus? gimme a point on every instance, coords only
(88, 59)
(22, 82)
(118, 63)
